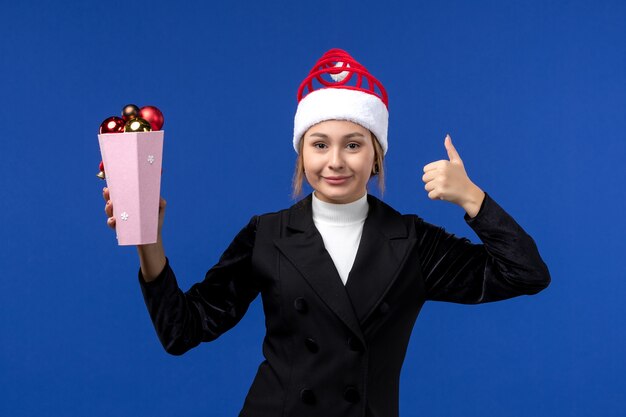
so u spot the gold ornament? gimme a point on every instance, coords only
(137, 125)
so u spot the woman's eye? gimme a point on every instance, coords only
(353, 146)
(319, 145)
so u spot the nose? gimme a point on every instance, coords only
(336, 161)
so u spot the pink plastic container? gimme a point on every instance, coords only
(132, 165)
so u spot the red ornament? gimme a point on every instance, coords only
(153, 115)
(113, 124)
(101, 166)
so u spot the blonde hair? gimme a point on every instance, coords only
(298, 175)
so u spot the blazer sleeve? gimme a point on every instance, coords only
(507, 263)
(209, 308)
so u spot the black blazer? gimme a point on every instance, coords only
(334, 350)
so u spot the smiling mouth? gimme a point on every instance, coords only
(336, 180)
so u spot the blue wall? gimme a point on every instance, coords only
(534, 97)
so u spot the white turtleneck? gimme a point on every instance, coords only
(341, 226)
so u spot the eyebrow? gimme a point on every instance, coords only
(348, 136)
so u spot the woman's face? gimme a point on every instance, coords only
(338, 158)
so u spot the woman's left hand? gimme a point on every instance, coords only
(447, 180)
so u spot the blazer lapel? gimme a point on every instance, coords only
(305, 249)
(382, 251)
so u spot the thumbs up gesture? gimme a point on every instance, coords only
(446, 179)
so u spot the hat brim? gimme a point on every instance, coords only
(355, 106)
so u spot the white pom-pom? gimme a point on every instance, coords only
(342, 75)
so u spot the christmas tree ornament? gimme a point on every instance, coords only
(153, 115)
(137, 125)
(101, 175)
(101, 166)
(113, 124)
(129, 112)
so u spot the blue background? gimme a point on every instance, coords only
(533, 94)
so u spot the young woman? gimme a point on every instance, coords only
(342, 275)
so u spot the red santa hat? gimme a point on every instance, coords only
(339, 88)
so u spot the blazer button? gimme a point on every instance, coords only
(311, 345)
(383, 307)
(307, 396)
(355, 344)
(300, 305)
(351, 395)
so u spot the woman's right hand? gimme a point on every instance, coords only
(151, 256)
(108, 209)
